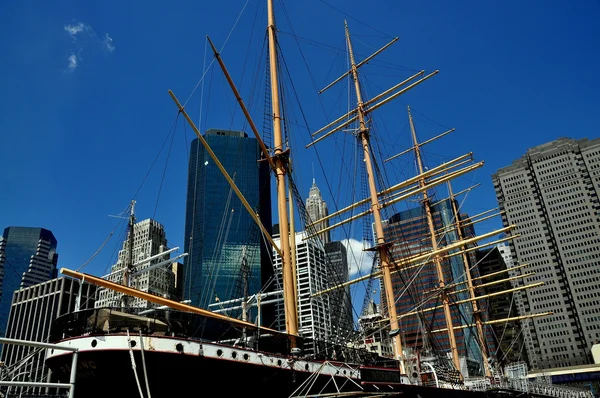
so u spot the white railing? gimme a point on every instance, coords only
(70, 385)
(549, 390)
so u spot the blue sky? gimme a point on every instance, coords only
(84, 110)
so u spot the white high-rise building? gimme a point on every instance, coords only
(316, 209)
(313, 312)
(149, 239)
(322, 318)
(551, 194)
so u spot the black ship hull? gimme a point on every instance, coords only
(130, 366)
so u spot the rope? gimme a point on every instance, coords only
(144, 365)
(137, 379)
(213, 60)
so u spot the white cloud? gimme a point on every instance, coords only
(72, 62)
(108, 43)
(77, 28)
(84, 36)
(359, 261)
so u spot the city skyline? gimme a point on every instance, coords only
(421, 133)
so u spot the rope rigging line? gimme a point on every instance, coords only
(156, 157)
(133, 365)
(355, 19)
(220, 51)
(164, 172)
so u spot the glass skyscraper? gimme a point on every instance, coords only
(224, 245)
(27, 257)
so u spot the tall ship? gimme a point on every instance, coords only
(179, 349)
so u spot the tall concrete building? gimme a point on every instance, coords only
(227, 254)
(316, 209)
(33, 310)
(27, 257)
(322, 319)
(149, 239)
(551, 195)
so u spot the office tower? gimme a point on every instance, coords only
(409, 228)
(551, 195)
(227, 254)
(149, 240)
(336, 260)
(314, 273)
(316, 209)
(27, 257)
(32, 312)
(506, 336)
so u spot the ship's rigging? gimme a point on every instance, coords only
(378, 199)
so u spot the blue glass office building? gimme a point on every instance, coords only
(27, 257)
(227, 257)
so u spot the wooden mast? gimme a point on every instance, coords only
(382, 246)
(281, 162)
(434, 245)
(476, 310)
(128, 269)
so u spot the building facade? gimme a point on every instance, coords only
(336, 260)
(410, 230)
(227, 254)
(149, 239)
(27, 257)
(316, 209)
(322, 319)
(32, 312)
(551, 195)
(506, 336)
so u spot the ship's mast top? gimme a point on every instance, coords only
(382, 246)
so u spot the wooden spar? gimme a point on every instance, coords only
(404, 184)
(160, 300)
(375, 207)
(406, 263)
(470, 288)
(405, 194)
(293, 244)
(263, 147)
(367, 109)
(500, 272)
(364, 61)
(463, 191)
(442, 231)
(353, 111)
(470, 249)
(488, 275)
(476, 298)
(511, 319)
(512, 278)
(225, 174)
(472, 222)
(420, 145)
(490, 322)
(281, 168)
(434, 245)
